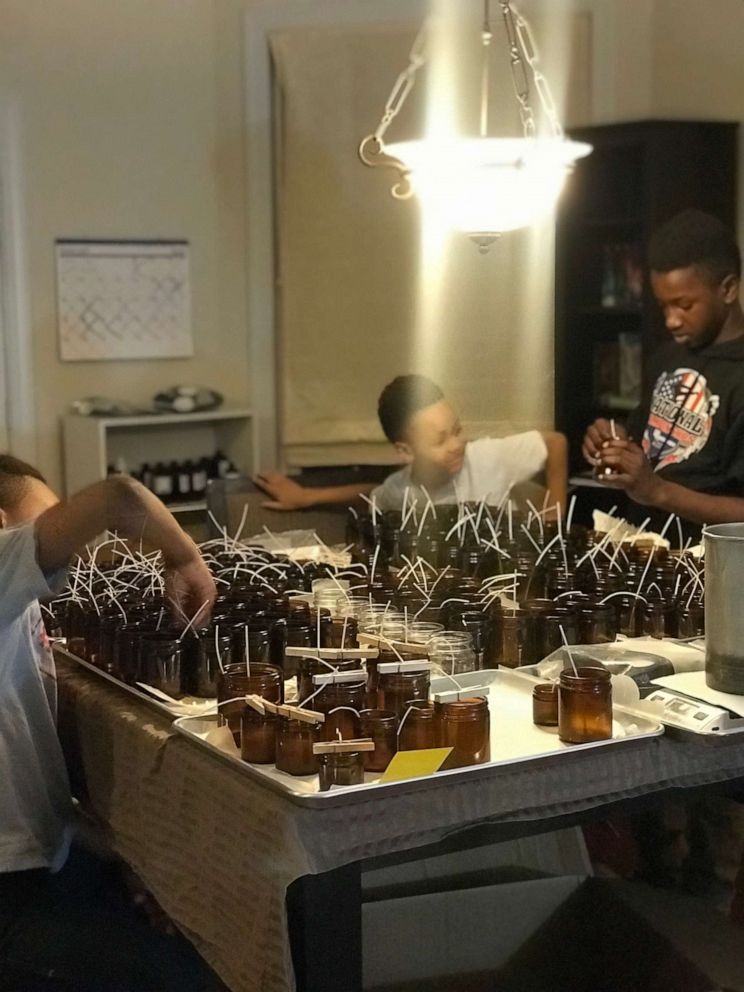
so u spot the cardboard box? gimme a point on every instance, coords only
(598, 936)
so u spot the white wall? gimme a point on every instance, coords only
(131, 119)
(669, 59)
(130, 126)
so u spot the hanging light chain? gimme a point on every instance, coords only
(519, 69)
(403, 85)
(532, 55)
(524, 57)
(486, 38)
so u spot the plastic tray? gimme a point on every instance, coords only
(515, 740)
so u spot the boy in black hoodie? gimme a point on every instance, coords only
(683, 450)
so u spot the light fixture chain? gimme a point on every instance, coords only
(519, 65)
(486, 38)
(403, 84)
(531, 54)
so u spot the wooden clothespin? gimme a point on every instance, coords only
(344, 747)
(297, 713)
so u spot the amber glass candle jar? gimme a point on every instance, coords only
(265, 681)
(690, 620)
(395, 689)
(652, 619)
(160, 662)
(258, 736)
(513, 632)
(535, 610)
(341, 702)
(585, 706)
(258, 640)
(597, 623)
(464, 726)
(126, 650)
(294, 746)
(545, 705)
(381, 726)
(341, 632)
(213, 655)
(417, 730)
(340, 769)
(308, 667)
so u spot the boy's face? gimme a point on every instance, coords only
(434, 443)
(695, 307)
(37, 497)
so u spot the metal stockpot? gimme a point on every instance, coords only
(724, 607)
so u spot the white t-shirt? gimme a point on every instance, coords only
(491, 467)
(35, 802)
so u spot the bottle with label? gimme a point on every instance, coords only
(174, 469)
(162, 481)
(221, 465)
(199, 475)
(183, 477)
(146, 476)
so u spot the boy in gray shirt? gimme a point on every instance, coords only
(51, 924)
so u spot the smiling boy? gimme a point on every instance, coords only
(683, 450)
(438, 461)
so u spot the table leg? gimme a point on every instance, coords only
(324, 913)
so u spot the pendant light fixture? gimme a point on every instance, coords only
(482, 185)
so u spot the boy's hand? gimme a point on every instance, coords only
(190, 589)
(596, 435)
(631, 471)
(285, 493)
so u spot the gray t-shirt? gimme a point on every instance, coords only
(35, 805)
(491, 467)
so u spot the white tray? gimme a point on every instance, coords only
(514, 740)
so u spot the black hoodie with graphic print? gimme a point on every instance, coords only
(691, 419)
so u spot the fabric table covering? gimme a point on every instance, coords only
(219, 850)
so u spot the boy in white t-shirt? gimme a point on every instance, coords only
(428, 437)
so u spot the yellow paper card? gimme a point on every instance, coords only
(414, 764)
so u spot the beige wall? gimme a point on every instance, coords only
(130, 124)
(669, 59)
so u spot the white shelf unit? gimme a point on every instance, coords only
(91, 444)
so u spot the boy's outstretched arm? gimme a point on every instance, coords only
(121, 504)
(286, 494)
(556, 470)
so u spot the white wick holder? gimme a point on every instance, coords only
(415, 665)
(333, 678)
(332, 654)
(455, 695)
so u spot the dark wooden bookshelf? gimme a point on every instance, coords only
(639, 175)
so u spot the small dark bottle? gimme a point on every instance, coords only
(199, 475)
(221, 465)
(162, 481)
(183, 480)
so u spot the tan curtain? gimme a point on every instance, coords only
(353, 308)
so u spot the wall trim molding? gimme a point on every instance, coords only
(16, 341)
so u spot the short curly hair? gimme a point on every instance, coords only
(694, 239)
(14, 476)
(401, 399)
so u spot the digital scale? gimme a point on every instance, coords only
(694, 715)
(691, 705)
